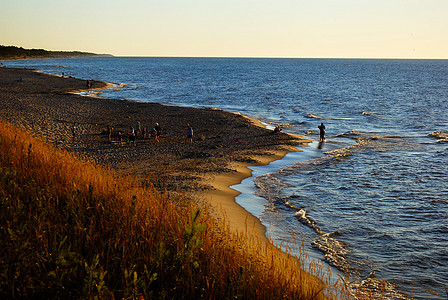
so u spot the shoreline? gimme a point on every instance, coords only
(226, 143)
(224, 198)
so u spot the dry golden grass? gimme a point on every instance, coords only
(71, 229)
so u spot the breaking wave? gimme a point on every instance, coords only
(270, 187)
(326, 118)
(314, 116)
(376, 288)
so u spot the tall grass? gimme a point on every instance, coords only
(72, 229)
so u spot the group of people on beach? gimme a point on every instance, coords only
(141, 132)
(136, 132)
(156, 132)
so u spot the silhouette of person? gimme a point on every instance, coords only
(277, 130)
(157, 132)
(120, 137)
(109, 131)
(321, 132)
(190, 134)
(74, 130)
(132, 136)
(138, 128)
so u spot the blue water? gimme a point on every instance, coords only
(372, 198)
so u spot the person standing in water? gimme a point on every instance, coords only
(322, 132)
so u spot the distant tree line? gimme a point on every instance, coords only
(8, 52)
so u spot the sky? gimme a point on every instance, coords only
(231, 28)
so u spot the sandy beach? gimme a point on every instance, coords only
(224, 144)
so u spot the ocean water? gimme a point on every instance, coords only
(372, 199)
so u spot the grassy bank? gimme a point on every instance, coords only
(70, 229)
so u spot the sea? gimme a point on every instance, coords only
(369, 202)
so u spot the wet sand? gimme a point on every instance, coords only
(223, 146)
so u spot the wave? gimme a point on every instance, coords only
(374, 288)
(92, 93)
(326, 118)
(314, 116)
(270, 187)
(133, 87)
(442, 137)
(352, 134)
(334, 251)
(118, 86)
(59, 66)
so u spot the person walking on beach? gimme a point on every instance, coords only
(190, 134)
(132, 136)
(157, 132)
(322, 132)
(139, 129)
(109, 132)
(74, 130)
(120, 138)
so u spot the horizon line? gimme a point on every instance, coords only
(280, 57)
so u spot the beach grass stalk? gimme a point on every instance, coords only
(73, 229)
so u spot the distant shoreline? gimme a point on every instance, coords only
(14, 53)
